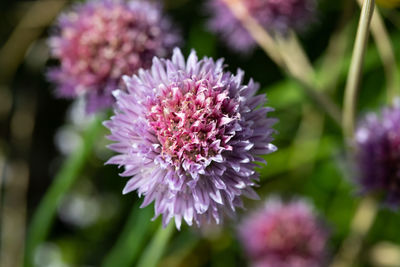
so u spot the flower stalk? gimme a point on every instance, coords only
(367, 209)
(385, 50)
(353, 81)
(157, 247)
(134, 235)
(46, 211)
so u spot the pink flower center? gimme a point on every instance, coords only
(192, 121)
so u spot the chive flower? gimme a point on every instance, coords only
(284, 235)
(189, 135)
(378, 153)
(97, 42)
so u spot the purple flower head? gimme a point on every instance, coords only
(284, 235)
(273, 15)
(99, 41)
(378, 153)
(189, 135)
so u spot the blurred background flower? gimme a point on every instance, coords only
(378, 153)
(284, 235)
(99, 41)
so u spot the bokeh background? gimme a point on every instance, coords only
(39, 131)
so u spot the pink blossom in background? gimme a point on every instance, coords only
(284, 235)
(99, 41)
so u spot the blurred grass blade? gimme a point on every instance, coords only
(45, 213)
(362, 222)
(156, 248)
(131, 240)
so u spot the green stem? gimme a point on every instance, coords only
(156, 248)
(386, 52)
(131, 240)
(45, 213)
(353, 81)
(367, 209)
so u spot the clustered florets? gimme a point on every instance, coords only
(189, 122)
(189, 135)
